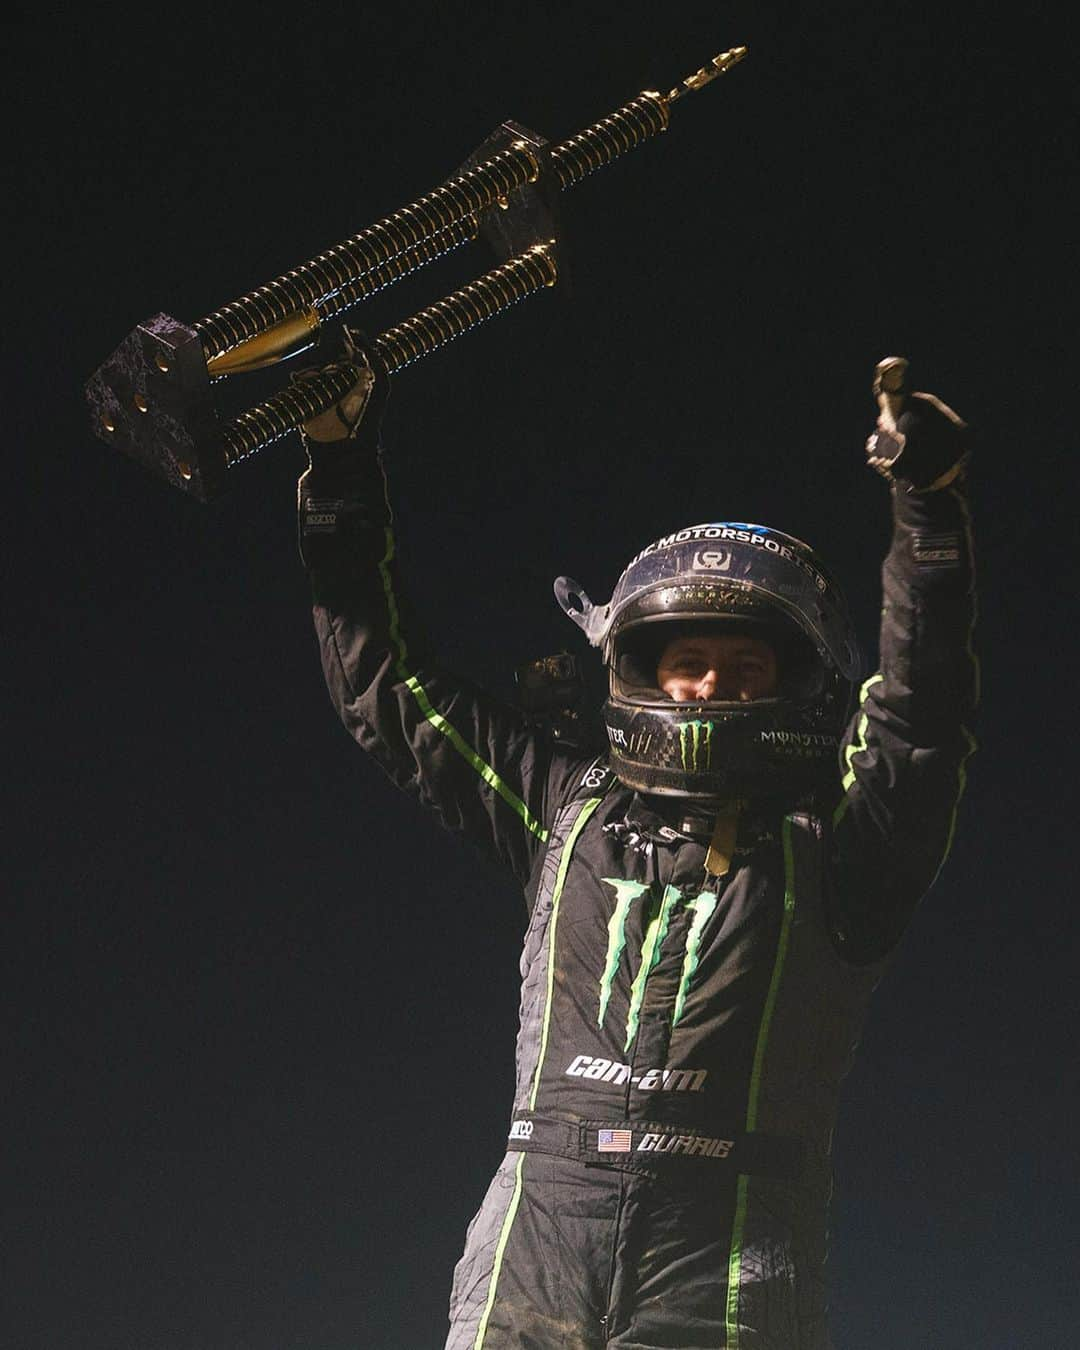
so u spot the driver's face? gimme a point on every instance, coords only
(730, 669)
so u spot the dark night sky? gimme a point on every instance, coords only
(260, 1013)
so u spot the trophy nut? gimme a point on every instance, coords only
(140, 402)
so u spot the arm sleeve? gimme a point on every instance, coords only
(904, 756)
(475, 762)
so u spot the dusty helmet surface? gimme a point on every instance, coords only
(723, 577)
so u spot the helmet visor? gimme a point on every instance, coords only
(640, 650)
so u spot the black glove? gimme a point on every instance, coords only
(355, 419)
(920, 443)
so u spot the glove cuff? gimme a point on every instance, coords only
(340, 500)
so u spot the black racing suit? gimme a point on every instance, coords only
(682, 1040)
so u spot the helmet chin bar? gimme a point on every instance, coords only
(767, 748)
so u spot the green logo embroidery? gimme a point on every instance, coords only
(695, 745)
(626, 892)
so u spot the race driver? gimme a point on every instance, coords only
(711, 900)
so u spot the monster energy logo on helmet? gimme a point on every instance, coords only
(695, 745)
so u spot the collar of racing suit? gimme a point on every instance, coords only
(652, 822)
(671, 821)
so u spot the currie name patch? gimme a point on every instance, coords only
(693, 1146)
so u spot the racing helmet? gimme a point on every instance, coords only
(724, 577)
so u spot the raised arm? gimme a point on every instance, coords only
(474, 761)
(904, 757)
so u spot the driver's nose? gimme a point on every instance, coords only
(724, 686)
(707, 685)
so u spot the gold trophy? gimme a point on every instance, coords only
(154, 397)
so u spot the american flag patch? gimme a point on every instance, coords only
(613, 1141)
(936, 550)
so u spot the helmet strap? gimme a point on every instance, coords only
(724, 836)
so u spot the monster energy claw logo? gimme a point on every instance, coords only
(695, 746)
(626, 892)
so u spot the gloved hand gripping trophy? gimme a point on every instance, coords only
(342, 446)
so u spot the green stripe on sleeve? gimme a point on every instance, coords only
(486, 772)
(857, 746)
(436, 719)
(739, 1222)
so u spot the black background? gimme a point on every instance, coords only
(261, 1013)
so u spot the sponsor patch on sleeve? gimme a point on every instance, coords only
(321, 514)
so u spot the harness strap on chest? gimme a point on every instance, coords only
(725, 835)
